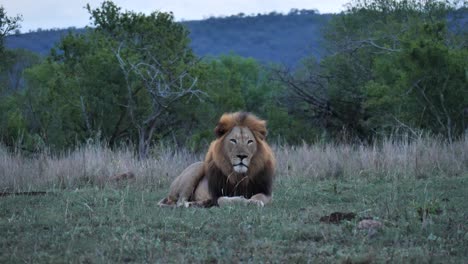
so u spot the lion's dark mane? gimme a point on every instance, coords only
(219, 185)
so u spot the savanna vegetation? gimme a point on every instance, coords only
(67, 208)
(392, 68)
(375, 126)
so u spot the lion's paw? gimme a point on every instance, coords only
(225, 201)
(256, 202)
(191, 204)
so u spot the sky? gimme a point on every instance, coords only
(47, 14)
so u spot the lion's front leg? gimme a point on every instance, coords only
(259, 200)
(260, 197)
(226, 200)
(202, 204)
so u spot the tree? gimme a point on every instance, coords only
(417, 76)
(118, 81)
(155, 59)
(75, 94)
(427, 87)
(13, 66)
(392, 65)
(7, 25)
(234, 83)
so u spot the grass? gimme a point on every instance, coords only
(124, 225)
(418, 191)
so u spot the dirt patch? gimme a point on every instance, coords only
(337, 217)
(2, 194)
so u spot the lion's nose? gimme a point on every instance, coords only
(241, 157)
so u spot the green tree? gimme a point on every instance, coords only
(117, 82)
(7, 25)
(16, 61)
(156, 61)
(393, 65)
(234, 83)
(82, 89)
(7, 59)
(428, 88)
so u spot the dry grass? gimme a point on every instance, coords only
(419, 158)
(89, 164)
(95, 164)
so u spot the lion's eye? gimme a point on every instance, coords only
(233, 141)
(249, 141)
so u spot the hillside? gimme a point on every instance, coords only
(269, 37)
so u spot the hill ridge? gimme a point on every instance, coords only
(273, 37)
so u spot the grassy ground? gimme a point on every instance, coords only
(418, 190)
(112, 224)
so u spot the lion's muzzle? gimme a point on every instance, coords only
(240, 168)
(241, 163)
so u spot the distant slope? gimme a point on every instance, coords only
(269, 38)
(39, 41)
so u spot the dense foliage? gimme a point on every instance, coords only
(394, 66)
(391, 67)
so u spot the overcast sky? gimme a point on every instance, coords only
(48, 14)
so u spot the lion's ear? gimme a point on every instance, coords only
(261, 130)
(226, 122)
(220, 130)
(261, 134)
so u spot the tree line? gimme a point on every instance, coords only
(392, 67)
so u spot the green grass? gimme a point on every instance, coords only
(123, 224)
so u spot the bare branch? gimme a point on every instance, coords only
(162, 83)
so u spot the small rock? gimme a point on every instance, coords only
(369, 224)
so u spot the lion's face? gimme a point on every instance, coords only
(240, 146)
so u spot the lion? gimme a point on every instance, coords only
(239, 167)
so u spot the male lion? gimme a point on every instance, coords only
(238, 168)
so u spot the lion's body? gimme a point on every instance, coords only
(183, 187)
(239, 164)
